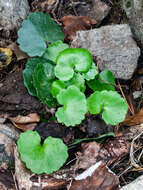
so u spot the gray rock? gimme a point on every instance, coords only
(97, 10)
(135, 185)
(12, 12)
(114, 48)
(134, 12)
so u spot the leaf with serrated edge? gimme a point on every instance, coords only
(28, 73)
(74, 106)
(42, 159)
(54, 49)
(113, 105)
(78, 81)
(36, 31)
(43, 77)
(90, 75)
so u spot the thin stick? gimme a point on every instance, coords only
(124, 97)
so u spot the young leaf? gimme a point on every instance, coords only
(101, 81)
(78, 81)
(41, 159)
(54, 49)
(71, 58)
(57, 86)
(74, 106)
(28, 73)
(113, 105)
(43, 77)
(90, 75)
(36, 31)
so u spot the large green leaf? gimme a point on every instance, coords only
(74, 106)
(36, 31)
(43, 77)
(113, 105)
(28, 73)
(104, 81)
(41, 159)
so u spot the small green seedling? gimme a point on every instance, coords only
(60, 77)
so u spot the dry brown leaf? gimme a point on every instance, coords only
(110, 151)
(18, 52)
(97, 177)
(134, 120)
(72, 24)
(25, 122)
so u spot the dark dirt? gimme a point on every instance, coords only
(14, 98)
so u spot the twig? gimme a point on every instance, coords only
(124, 97)
(13, 175)
(132, 159)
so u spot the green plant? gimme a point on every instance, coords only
(59, 77)
(41, 159)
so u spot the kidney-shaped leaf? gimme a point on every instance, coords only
(102, 81)
(36, 31)
(75, 106)
(41, 159)
(113, 105)
(71, 58)
(43, 77)
(28, 73)
(54, 49)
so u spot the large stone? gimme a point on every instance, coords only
(135, 185)
(134, 12)
(12, 12)
(113, 47)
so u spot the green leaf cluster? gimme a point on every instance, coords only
(58, 76)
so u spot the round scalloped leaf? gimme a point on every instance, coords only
(70, 59)
(113, 105)
(93, 71)
(43, 77)
(54, 49)
(74, 106)
(28, 73)
(36, 31)
(42, 159)
(98, 83)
